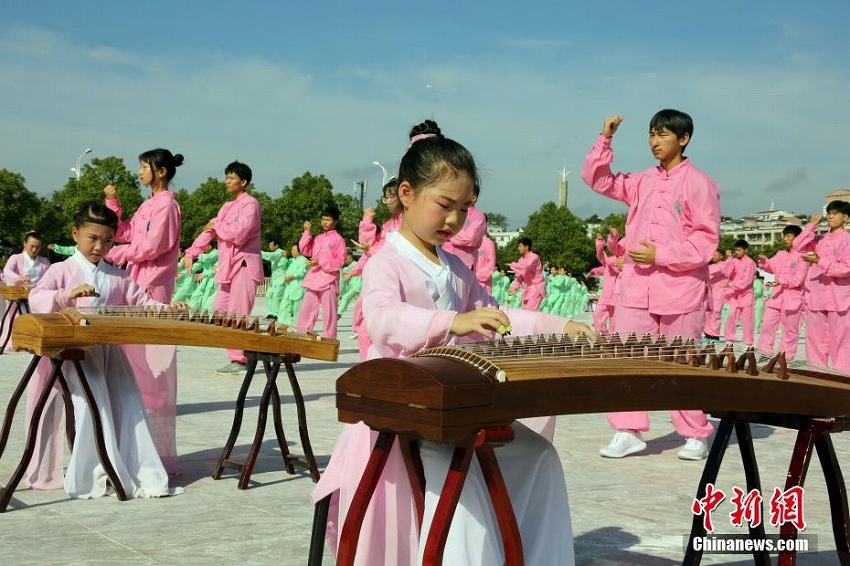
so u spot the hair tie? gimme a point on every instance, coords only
(419, 137)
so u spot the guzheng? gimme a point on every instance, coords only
(49, 334)
(15, 292)
(449, 394)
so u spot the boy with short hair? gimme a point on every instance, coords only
(528, 272)
(828, 288)
(672, 229)
(741, 297)
(321, 283)
(784, 307)
(240, 266)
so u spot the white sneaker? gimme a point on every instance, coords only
(694, 449)
(623, 443)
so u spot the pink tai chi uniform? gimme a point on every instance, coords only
(485, 263)
(741, 300)
(129, 442)
(467, 241)
(321, 284)
(827, 298)
(604, 311)
(403, 316)
(528, 271)
(240, 265)
(718, 274)
(678, 211)
(784, 307)
(152, 238)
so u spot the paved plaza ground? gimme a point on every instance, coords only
(633, 511)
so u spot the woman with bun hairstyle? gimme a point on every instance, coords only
(151, 239)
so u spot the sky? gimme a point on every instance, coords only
(332, 87)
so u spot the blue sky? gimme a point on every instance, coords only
(331, 87)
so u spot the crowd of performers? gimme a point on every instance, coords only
(426, 277)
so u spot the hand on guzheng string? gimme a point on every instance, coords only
(485, 321)
(83, 291)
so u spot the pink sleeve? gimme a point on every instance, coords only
(837, 265)
(600, 246)
(358, 267)
(596, 173)
(240, 230)
(12, 271)
(367, 231)
(333, 262)
(743, 280)
(766, 265)
(50, 294)
(398, 328)
(305, 244)
(806, 241)
(798, 275)
(162, 232)
(125, 227)
(200, 244)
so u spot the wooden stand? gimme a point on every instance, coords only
(482, 446)
(73, 356)
(15, 307)
(271, 364)
(812, 433)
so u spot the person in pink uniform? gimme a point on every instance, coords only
(742, 273)
(417, 296)
(485, 263)
(718, 275)
(327, 253)
(784, 307)
(150, 252)
(240, 264)
(528, 272)
(828, 288)
(466, 243)
(672, 228)
(85, 280)
(611, 265)
(369, 241)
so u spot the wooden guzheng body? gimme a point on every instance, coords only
(448, 394)
(15, 292)
(49, 334)
(469, 396)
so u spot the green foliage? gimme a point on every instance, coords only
(198, 207)
(304, 199)
(560, 238)
(507, 253)
(18, 208)
(497, 220)
(96, 175)
(617, 221)
(349, 216)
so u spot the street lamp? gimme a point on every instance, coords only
(360, 186)
(384, 170)
(77, 170)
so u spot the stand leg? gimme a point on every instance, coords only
(11, 312)
(415, 474)
(70, 425)
(13, 402)
(97, 425)
(709, 475)
(32, 432)
(302, 421)
(508, 527)
(248, 467)
(748, 457)
(837, 497)
(800, 460)
(365, 490)
(317, 539)
(237, 419)
(278, 421)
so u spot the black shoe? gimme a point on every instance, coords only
(271, 317)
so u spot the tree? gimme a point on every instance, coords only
(18, 209)
(96, 175)
(198, 207)
(304, 199)
(617, 221)
(497, 220)
(560, 238)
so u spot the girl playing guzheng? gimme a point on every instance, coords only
(415, 295)
(85, 280)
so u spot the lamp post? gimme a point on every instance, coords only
(383, 170)
(77, 169)
(361, 187)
